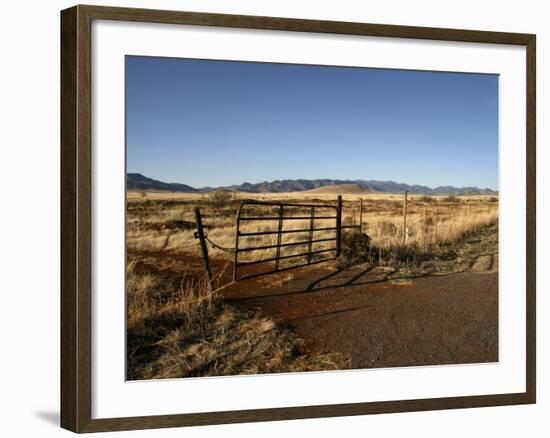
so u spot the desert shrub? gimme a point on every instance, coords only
(220, 198)
(451, 198)
(426, 198)
(396, 207)
(493, 199)
(355, 249)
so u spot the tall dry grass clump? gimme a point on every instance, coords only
(220, 198)
(190, 332)
(428, 229)
(427, 235)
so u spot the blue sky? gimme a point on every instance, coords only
(216, 123)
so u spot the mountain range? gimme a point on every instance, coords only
(137, 181)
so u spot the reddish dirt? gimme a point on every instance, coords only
(378, 322)
(178, 266)
(361, 312)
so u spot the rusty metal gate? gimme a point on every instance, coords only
(277, 215)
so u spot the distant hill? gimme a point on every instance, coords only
(136, 181)
(298, 185)
(281, 186)
(340, 188)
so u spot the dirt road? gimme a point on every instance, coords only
(377, 322)
(441, 313)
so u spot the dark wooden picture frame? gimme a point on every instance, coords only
(76, 218)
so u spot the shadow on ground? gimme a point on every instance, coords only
(382, 317)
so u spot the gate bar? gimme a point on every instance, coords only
(274, 218)
(278, 204)
(274, 259)
(303, 242)
(306, 230)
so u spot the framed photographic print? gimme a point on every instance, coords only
(270, 218)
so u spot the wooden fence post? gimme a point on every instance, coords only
(338, 225)
(204, 249)
(405, 219)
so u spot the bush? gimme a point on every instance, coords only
(220, 198)
(355, 249)
(451, 198)
(426, 198)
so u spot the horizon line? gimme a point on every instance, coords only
(316, 179)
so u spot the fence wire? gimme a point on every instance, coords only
(222, 248)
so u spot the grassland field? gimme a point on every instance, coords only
(178, 327)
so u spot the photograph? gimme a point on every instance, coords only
(287, 218)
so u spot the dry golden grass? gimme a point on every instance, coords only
(187, 331)
(330, 195)
(431, 221)
(178, 328)
(428, 228)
